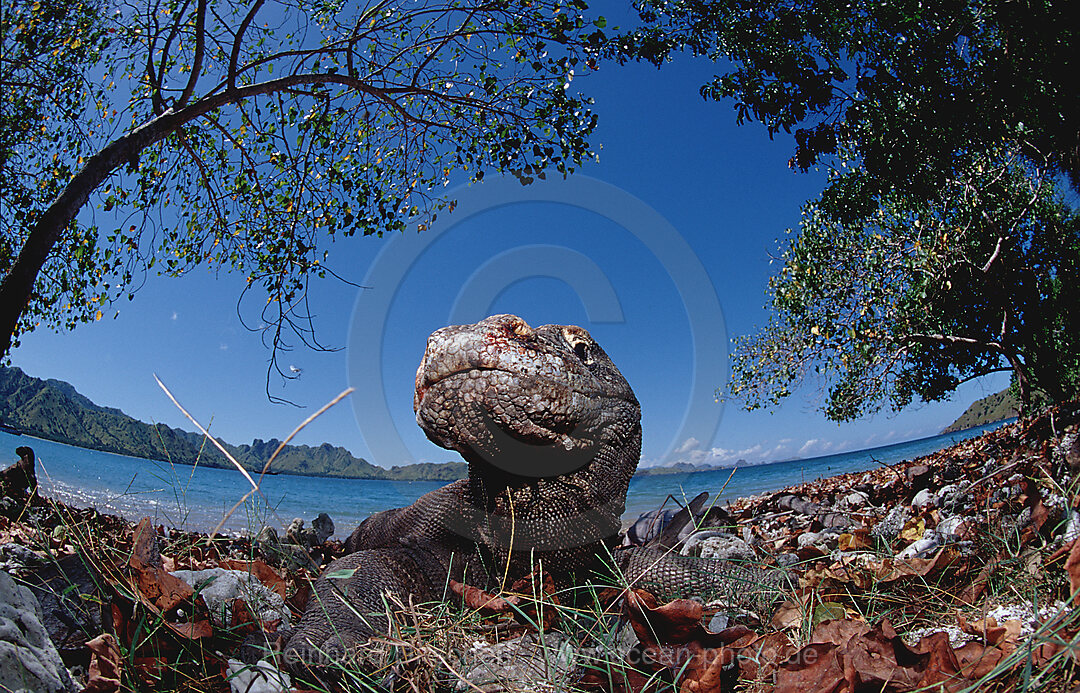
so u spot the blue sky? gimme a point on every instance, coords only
(726, 191)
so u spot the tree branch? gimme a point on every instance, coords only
(196, 63)
(234, 56)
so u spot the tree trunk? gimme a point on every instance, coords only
(18, 285)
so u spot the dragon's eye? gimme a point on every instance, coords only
(579, 344)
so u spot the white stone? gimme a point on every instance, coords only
(260, 677)
(220, 587)
(855, 499)
(1072, 527)
(726, 547)
(950, 525)
(923, 498)
(922, 548)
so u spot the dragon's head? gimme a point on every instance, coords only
(532, 402)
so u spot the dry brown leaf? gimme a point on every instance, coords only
(913, 529)
(105, 665)
(856, 540)
(163, 590)
(760, 655)
(813, 669)
(672, 637)
(890, 570)
(479, 600)
(1072, 567)
(789, 615)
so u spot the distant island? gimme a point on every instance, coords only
(55, 410)
(996, 407)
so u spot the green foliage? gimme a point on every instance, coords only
(917, 299)
(48, 49)
(248, 137)
(911, 90)
(939, 250)
(54, 410)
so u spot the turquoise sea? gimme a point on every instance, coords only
(197, 498)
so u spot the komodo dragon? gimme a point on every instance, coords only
(551, 432)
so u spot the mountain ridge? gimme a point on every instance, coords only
(995, 407)
(55, 410)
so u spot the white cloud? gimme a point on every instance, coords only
(815, 447)
(688, 445)
(224, 347)
(175, 315)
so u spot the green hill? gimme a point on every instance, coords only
(54, 410)
(990, 408)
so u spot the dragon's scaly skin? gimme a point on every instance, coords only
(551, 432)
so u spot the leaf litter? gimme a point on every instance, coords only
(956, 571)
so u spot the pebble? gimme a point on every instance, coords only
(923, 499)
(260, 677)
(923, 548)
(727, 547)
(854, 500)
(220, 587)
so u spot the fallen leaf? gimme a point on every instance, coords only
(788, 615)
(162, 589)
(479, 600)
(105, 665)
(672, 637)
(913, 529)
(1072, 567)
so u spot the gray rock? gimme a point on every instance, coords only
(854, 500)
(267, 536)
(71, 602)
(953, 498)
(786, 560)
(533, 662)
(219, 587)
(28, 659)
(16, 557)
(888, 528)
(719, 621)
(691, 543)
(797, 505)
(1072, 526)
(295, 534)
(1068, 450)
(950, 525)
(323, 527)
(727, 547)
(809, 539)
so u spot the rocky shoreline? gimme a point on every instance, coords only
(956, 570)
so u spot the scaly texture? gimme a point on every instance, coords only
(551, 432)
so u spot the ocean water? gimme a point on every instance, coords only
(199, 498)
